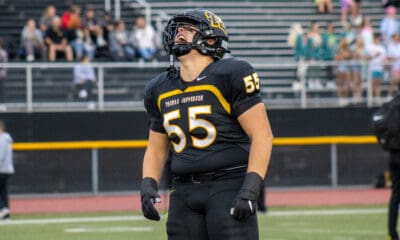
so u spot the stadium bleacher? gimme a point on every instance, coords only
(258, 31)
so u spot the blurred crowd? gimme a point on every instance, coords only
(76, 33)
(356, 42)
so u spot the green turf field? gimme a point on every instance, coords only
(333, 223)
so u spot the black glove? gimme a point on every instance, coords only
(149, 196)
(245, 203)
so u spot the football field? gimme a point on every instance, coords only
(333, 223)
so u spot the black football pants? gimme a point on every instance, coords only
(201, 211)
(4, 191)
(394, 166)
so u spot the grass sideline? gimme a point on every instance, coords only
(330, 223)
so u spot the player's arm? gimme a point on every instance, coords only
(153, 166)
(155, 155)
(256, 125)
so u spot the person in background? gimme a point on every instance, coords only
(376, 54)
(3, 71)
(6, 170)
(47, 18)
(343, 56)
(393, 55)
(358, 55)
(389, 25)
(366, 32)
(329, 46)
(56, 40)
(346, 8)
(324, 6)
(143, 38)
(84, 79)
(32, 41)
(119, 45)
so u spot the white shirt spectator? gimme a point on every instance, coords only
(83, 72)
(378, 56)
(394, 52)
(6, 154)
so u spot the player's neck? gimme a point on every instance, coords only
(191, 67)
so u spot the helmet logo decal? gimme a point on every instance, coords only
(215, 21)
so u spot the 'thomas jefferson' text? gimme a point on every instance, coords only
(189, 99)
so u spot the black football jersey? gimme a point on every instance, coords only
(200, 117)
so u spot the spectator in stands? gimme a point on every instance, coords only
(303, 48)
(343, 56)
(66, 17)
(324, 6)
(313, 71)
(78, 38)
(376, 55)
(47, 18)
(56, 40)
(6, 170)
(32, 41)
(393, 55)
(329, 42)
(143, 38)
(3, 71)
(295, 31)
(119, 46)
(366, 33)
(107, 24)
(346, 8)
(328, 47)
(358, 54)
(92, 25)
(84, 79)
(389, 25)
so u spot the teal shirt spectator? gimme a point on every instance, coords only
(328, 46)
(304, 48)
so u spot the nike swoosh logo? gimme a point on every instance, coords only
(201, 78)
(377, 117)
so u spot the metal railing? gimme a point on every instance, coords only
(95, 146)
(34, 81)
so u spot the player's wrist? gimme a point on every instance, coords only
(148, 184)
(251, 186)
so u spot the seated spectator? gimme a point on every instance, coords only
(96, 33)
(324, 6)
(47, 18)
(343, 56)
(393, 55)
(376, 55)
(56, 40)
(389, 25)
(32, 41)
(143, 38)
(346, 8)
(66, 17)
(79, 39)
(3, 71)
(119, 46)
(102, 41)
(84, 79)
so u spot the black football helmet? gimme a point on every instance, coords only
(209, 25)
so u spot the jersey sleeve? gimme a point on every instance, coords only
(151, 108)
(245, 87)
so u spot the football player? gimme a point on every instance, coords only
(210, 112)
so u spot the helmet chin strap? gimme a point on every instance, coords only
(182, 49)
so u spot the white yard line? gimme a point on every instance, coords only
(359, 211)
(139, 218)
(108, 229)
(71, 220)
